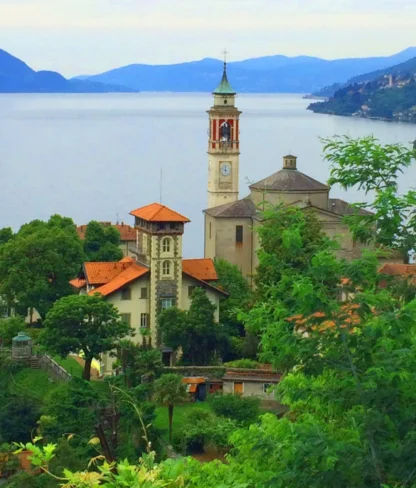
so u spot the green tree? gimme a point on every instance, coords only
(195, 330)
(367, 165)
(102, 243)
(37, 264)
(73, 407)
(169, 390)
(137, 360)
(83, 323)
(9, 328)
(5, 235)
(231, 280)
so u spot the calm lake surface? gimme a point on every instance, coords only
(100, 156)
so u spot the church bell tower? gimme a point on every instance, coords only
(223, 145)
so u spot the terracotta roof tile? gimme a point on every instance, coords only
(201, 269)
(127, 232)
(404, 270)
(100, 273)
(78, 283)
(155, 212)
(130, 274)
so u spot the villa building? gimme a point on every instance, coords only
(157, 279)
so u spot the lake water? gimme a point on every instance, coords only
(100, 156)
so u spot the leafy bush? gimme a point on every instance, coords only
(9, 328)
(203, 427)
(243, 363)
(241, 410)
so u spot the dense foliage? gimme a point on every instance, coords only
(242, 410)
(194, 331)
(102, 243)
(389, 219)
(37, 263)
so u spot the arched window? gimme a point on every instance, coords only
(166, 244)
(166, 268)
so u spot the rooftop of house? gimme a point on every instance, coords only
(127, 233)
(156, 212)
(110, 277)
(402, 270)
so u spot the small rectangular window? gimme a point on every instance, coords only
(126, 317)
(266, 387)
(143, 293)
(126, 294)
(144, 320)
(210, 230)
(239, 234)
(166, 303)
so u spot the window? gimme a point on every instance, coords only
(239, 234)
(166, 303)
(191, 290)
(166, 244)
(161, 227)
(126, 294)
(143, 293)
(126, 317)
(144, 320)
(210, 230)
(166, 268)
(266, 387)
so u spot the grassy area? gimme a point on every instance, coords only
(33, 381)
(179, 414)
(70, 364)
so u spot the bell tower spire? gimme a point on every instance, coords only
(223, 144)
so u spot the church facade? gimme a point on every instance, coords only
(230, 222)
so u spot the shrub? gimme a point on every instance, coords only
(243, 363)
(241, 410)
(203, 427)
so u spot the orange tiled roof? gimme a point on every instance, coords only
(404, 270)
(78, 283)
(101, 273)
(155, 212)
(128, 275)
(201, 269)
(127, 233)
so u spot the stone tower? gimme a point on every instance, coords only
(223, 145)
(160, 234)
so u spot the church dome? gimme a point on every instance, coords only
(289, 179)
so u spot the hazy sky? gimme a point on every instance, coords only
(91, 36)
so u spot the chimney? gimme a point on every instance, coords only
(289, 162)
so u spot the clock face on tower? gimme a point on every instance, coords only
(225, 169)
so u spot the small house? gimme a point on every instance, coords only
(251, 382)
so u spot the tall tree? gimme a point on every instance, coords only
(170, 391)
(102, 243)
(232, 280)
(194, 331)
(38, 262)
(367, 165)
(83, 323)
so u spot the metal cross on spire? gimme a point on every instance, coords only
(225, 52)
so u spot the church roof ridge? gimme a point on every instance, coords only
(224, 88)
(289, 180)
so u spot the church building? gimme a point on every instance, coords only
(230, 221)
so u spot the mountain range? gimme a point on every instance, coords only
(267, 74)
(17, 77)
(388, 94)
